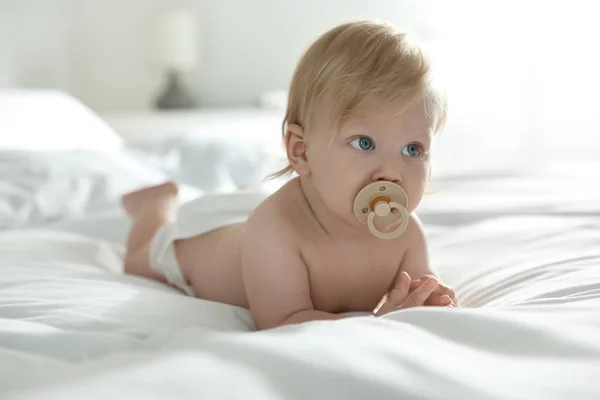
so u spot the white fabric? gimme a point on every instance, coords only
(71, 323)
(59, 160)
(163, 259)
(220, 157)
(522, 252)
(48, 120)
(40, 187)
(563, 189)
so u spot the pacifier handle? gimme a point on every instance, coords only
(379, 210)
(374, 203)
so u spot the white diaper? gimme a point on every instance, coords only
(196, 217)
(162, 260)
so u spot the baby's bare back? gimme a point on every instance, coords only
(211, 262)
(343, 275)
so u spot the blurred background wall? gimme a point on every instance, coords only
(523, 75)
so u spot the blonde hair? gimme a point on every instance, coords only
(355, 67)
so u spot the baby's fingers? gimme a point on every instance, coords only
(386, 308)
(418, 297)
(396, 297)
(436, 300)
(415, 284)
(400, 292)
(445, 300)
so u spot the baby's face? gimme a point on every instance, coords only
(385, 147)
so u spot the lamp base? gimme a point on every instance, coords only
(174, 95)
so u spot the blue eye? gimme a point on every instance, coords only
(411, 150)
(363, 143)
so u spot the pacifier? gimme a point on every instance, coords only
(381, 204)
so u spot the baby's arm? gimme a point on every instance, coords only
(416, 259)
(275, 276)
(416, 263)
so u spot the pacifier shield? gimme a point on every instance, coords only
(380, 204)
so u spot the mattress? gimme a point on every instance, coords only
(72, 324)
(521, 248)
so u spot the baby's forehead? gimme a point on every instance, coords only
(412, 120)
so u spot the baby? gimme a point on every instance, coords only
(362, 109)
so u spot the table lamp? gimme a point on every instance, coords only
(179, 52)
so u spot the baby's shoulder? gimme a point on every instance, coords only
(414, 234)
(279, 213)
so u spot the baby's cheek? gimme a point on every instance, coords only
(414, 197)
(337, 192)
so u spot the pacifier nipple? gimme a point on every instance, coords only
(381, 204)
(382, 209)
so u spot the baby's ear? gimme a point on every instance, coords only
(295, 145)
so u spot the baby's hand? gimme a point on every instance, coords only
(401, 297)
(443, 295)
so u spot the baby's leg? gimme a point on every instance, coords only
(150, 208)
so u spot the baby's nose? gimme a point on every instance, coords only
(388, 173)
(397, 180)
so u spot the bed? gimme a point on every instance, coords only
(521, 248)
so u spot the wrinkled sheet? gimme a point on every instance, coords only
(72, 326)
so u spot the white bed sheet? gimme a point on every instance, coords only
(72, 326)
(567, 188)
(38, 188)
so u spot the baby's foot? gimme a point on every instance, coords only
(133, 201)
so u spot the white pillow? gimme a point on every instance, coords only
(220, 160)
(48, 120)
(37, 188)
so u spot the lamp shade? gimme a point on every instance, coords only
(178, 40)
